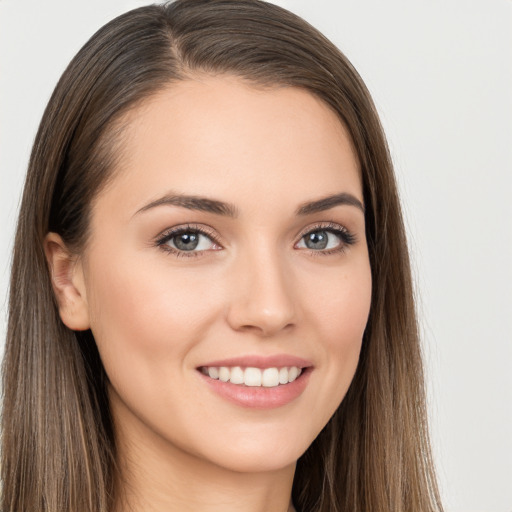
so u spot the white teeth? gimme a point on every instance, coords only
(270, 377)
(237, 375)
(254, 377)
(224, 374)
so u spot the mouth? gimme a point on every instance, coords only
(258, 382)
(253, 377)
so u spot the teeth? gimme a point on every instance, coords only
(237, 375)
(270, 377)
(254, 377)
(224, 374)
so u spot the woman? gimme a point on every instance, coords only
(211, 303)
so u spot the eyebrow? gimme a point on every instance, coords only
(206, 204)
(199, 203)
(329, 202)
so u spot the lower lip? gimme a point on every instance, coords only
(260, 397)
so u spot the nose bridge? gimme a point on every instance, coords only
(262, 295)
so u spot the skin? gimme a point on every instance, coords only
(257, 289)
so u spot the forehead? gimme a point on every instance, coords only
(222, 137)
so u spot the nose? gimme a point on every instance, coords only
(262, 298)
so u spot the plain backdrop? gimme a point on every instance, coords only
(441, 75)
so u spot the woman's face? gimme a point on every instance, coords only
(231, 243)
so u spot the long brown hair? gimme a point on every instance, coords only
(58, 443)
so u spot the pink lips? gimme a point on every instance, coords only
(260, 397)
(278, 361)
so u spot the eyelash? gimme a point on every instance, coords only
(347, 239)
(173, 232)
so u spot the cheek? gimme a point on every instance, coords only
(341, 305)
(341, 312)
(142, 315)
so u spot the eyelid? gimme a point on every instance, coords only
(326, 226)
(200, 228)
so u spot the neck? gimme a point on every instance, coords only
(157, 476)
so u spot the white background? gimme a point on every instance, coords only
(441, 75)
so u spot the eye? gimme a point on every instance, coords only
(187, 241)
(327, 239)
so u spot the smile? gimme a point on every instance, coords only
(253, 377)
(256, 381)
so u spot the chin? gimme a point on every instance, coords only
(257, 462)
(259, 452)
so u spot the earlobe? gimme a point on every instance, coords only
(68, 284)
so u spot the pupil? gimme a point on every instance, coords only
(186, 241)
(317, 240)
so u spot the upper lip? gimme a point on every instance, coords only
(257, 361)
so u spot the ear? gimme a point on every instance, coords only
(68, 283)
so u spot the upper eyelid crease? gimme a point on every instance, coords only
(229, 210)
(175, 231)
